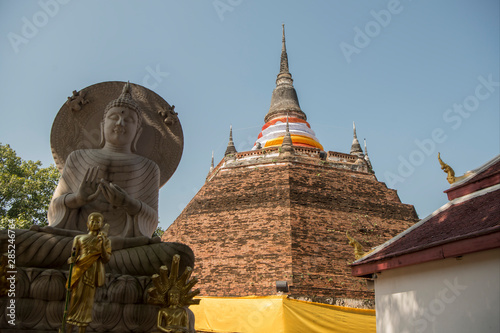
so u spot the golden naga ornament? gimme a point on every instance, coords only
(451, 173)
(174, 295)
(358, 249)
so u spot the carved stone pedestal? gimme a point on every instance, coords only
(120, 305)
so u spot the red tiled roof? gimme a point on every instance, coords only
(469, 223)
(467, 219)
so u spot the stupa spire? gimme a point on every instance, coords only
(284, 99)
(355, 147)
(285, 108)
(284, 56)
(230, 150)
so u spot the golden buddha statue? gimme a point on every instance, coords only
(174, 295)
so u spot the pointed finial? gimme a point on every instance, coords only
(358, 248)
(230, 150)
(284, 57)
(283, 46)
(211, 166)
(284, 98)
(126, 88)
(367, 159)
(355, 147)
(451, 173)
(447, 169)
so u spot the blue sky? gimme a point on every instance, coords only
(417, 77)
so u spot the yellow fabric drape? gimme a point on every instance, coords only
(278, 314)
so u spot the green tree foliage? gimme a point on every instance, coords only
(158, 232)
(25, 190)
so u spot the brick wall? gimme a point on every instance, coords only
(252, 226)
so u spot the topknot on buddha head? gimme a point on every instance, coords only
(125, 100)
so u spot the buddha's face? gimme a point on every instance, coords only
(94, 223)
(120, 126)
(174, 297)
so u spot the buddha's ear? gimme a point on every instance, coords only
(136, 138)
(103, 141)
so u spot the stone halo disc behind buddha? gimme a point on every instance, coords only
(78, 125)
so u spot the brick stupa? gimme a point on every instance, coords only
(280, 212)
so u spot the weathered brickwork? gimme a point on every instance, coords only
(327, 203)
(258, 223)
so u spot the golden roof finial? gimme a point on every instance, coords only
(447, 169)
(451, 173)
(358, 249)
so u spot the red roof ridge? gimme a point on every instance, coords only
(474, 175)
(443, 208)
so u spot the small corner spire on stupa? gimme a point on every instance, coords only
(212, 163)
(367, 159)
(231, 149)
(211, 166)
(287, 145)
(355, 147)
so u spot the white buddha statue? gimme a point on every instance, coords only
(111, 180)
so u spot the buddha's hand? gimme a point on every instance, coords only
(118, 197)
(101, 244)
(87, 191)
(101, 239)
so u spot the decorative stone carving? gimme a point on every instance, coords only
(48, 286)
(76, 101)
(169, 115)
(125, 288)
(53, 314)
(30, 313)
(107, 317)
(139, 317)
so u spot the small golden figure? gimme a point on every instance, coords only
(174, 295)
(451, 173)
(90, 252)
(358, 249)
